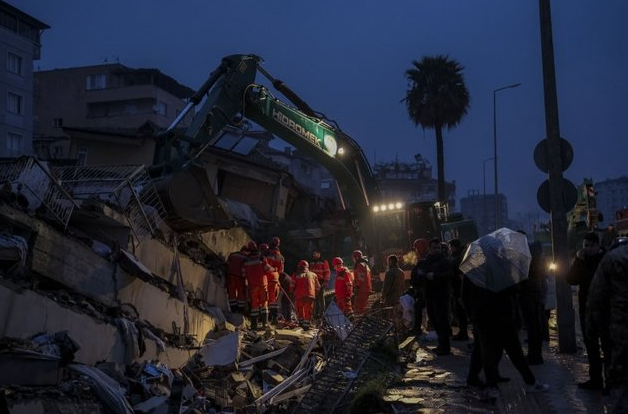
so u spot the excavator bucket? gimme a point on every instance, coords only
(190, 202)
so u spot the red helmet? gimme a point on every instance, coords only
(357, 254)
(251, 246)
(263, 247)
(421, 246)
(336, 261)
(303, 264)
(275, 242)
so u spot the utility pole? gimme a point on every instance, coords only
(560, 248)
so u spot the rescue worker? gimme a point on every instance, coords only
(305, 287)
(343, 287)
(255, 269)
(275, 242)
(363, 282)
(320, 266)
(276, 262)
(236, 283)
(263, 249)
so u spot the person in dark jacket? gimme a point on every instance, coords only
(607, 316)
(533, 305)
(417, 285)
(495, 329)
(456, 252)
(581, 274)
(437, 271)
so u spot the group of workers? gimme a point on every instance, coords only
(258, 285)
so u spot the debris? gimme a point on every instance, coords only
(221, 352)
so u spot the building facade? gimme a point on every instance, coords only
(19, 48)
(481, 208)
(611, 195)
(410, 182)
(101, 97)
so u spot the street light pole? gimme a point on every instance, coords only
(484, 215)
(484, 175)
(514, 85)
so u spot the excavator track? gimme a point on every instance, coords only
(334, 381)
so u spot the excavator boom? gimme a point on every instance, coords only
(230, 95)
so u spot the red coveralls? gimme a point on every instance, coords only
(364, 286)
(321, 268)
(305, 287)
(236, 286)
(255, 269)
(275, 261)
(344, 290)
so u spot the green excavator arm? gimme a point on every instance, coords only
(230, 95)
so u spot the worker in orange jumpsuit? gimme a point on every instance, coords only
(305, 287)
(255, 269)
(343, 287)
(276, 262)
(236, 283)
(320, 266)
(362, 280)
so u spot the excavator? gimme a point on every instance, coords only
(229, 96)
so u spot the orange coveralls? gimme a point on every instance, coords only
(236, 286)
(276, 261)
(364, 286)
(255, 269)
(305, 287)
(344, 290)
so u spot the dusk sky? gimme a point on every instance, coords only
(348, 59)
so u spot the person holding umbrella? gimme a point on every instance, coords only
(493, 266)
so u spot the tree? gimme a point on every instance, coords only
(436, 97)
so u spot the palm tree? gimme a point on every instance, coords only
(437, 97)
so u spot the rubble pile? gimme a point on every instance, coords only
(233, 371)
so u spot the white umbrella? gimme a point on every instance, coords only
(498, 260)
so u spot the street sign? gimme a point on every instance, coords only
(569, 194)
(541, 155)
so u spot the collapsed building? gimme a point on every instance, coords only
(107, 310)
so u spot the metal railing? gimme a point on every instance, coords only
(128, 188)
(30, 183)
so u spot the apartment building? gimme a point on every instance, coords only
(20, 45)
(97, 106)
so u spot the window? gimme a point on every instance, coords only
(15, 64)
(326, 184)
(96, 82)
(130, 109)
(160, 108)
(82, 156)
(58, 122)
(14, 103)
(14, 144)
